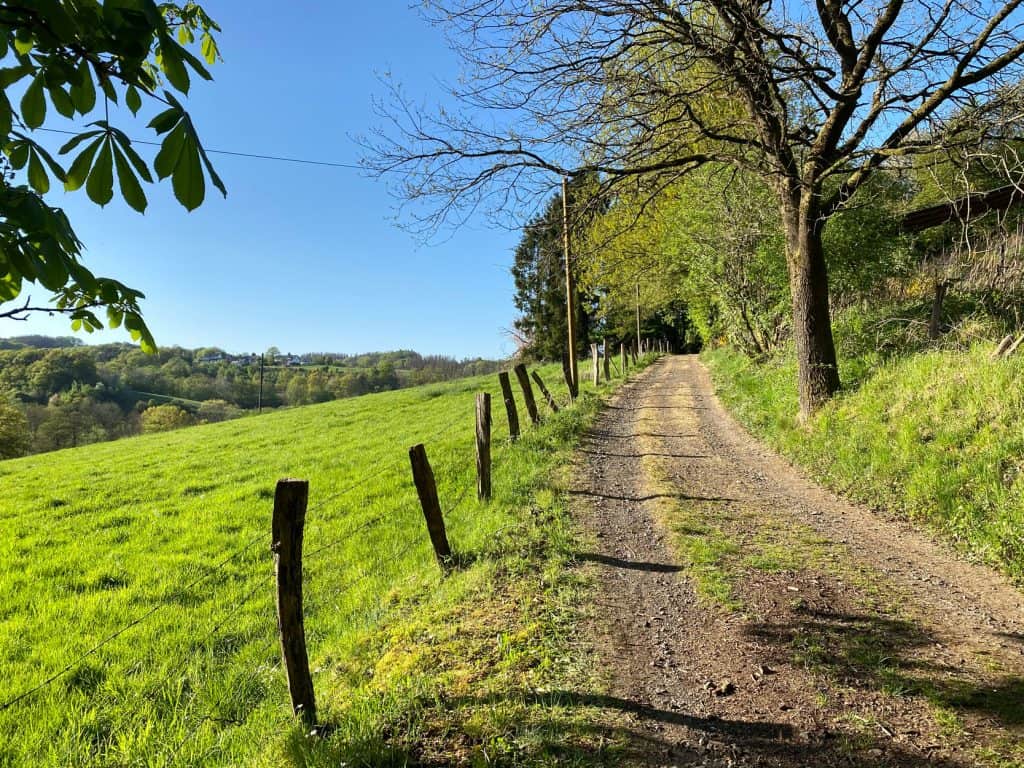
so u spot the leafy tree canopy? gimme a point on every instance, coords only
(73, 59)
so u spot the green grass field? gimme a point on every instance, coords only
(172, 531)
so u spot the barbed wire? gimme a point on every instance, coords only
(210, 717)
(340, 539)
(385, 470)
(205, 638)
(131, 624)
(374, 570)
(355, 486)
(450, 513)
(346, 536)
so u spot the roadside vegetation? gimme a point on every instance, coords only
(171, 530)
(935, 433)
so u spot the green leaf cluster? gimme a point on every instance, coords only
(67, 59)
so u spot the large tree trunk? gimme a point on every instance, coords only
(818, 373)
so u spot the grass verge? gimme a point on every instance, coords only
(937, 436)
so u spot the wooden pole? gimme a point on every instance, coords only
(607, 367)
(524, 384)
(259, 397)
(567, 372)
(625, 361)
(426, 488)
(570, 289)
(544, 391)
(510, 405)
(638, 313)
(483, 446)
(595, 364)
(290, 498)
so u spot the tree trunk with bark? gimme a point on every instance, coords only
(935, 321)
(818, 372)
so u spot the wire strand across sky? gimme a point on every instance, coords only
(253, 155)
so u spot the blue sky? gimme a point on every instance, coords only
(300, 257)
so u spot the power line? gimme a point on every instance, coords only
(253, 155)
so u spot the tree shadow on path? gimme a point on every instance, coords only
(565, 725)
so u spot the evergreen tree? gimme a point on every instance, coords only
(539, 272)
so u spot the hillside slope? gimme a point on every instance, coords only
(139, 596)
(937, 436)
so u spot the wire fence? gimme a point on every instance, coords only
(459, 476)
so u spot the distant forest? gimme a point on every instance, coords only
(56, 392)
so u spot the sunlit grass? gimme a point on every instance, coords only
(938, 436)
(174, 529)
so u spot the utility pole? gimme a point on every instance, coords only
(259, 398)
(638, 317)
(570, 286)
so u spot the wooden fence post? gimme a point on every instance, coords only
(569, 383)
(604, 359)
(524, 384)
(510, 405)
(632, 350)
(595, 364)
(426, 488)
(625, 361)
(290, 498)
(544, 391)
(483, 446)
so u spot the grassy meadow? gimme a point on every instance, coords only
(934, 434)
(164, 539)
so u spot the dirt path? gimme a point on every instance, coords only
(747, 617)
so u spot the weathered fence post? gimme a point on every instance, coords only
(290, 498)
(426, 488)
(510, 405)
(524, 384)
(632, 350)
(483, 446)
(595, 364)
(544, 391)
(569, 383)
(625, 361)
(604, 360)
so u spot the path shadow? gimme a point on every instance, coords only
(564, 727)
(646, 455)
(655, 408)
(649, 496)
(632, 565)
(897, 656)
(606, 435)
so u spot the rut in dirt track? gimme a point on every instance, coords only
(748, 617)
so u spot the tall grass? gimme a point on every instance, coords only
(935, 435)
